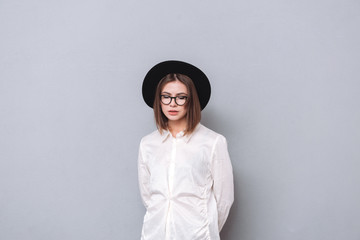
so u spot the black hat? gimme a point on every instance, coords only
(160, 70)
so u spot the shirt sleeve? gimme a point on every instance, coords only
(223, 185)
(144, 179)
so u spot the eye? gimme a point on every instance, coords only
(182, 97)
(166, 96)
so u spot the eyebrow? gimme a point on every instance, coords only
(181, 93)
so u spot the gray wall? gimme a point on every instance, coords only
(286, 94)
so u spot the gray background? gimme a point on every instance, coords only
(286, 94)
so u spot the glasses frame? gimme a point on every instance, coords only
(171, 98)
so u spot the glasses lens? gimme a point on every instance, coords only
(180, 100)
(165, 99)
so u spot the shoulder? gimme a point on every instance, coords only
(207, 134)
(151, 136)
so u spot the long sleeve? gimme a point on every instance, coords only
(223, 185)
(144, 179)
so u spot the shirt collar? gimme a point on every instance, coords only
(166, 134)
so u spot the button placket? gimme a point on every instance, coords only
(172, 166)
(171, 171)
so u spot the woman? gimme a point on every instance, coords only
(185, 173)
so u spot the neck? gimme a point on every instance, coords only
(176, 126)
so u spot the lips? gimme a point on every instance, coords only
(173, 112)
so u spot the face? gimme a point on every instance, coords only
(172, 111)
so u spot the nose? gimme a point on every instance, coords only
(173, 103)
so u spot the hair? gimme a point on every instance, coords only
(192, 105)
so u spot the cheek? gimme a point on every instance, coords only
(185, 110)
(163, 108)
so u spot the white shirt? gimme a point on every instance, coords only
(186, 184)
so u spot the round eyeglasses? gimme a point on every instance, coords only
(179, 100)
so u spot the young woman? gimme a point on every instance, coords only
(185, 173)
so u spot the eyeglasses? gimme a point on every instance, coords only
(179, 100)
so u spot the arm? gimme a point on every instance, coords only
(144, 179)
(223, 185)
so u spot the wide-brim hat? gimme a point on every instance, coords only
(160, 70)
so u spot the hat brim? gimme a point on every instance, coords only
(160, 70)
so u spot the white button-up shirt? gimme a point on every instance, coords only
(186, 184)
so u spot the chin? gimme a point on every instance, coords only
(172, 118)
(175, 118)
